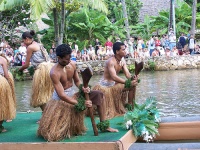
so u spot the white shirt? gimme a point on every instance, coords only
(22, 49)
(191, 44)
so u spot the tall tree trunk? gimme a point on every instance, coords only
(126, 18)
(170, 15)
(56, 27)
(62, 27)
(193, 23)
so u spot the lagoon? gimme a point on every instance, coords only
(177, 92)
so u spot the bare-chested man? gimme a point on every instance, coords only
(59, 118)
(112, 85)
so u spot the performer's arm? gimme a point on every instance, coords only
(126, 72)
(76, 78)
(60, 90)
(113, 73)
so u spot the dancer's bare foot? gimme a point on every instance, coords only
(8, 120)
(4, 130)
(109, 129)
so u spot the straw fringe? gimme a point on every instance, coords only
(59, 120)
(114, 101)
(7, 98)
(42, 87)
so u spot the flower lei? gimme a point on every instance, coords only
(80, 106)
(102, 126)
(127, 83)
(129, 107)
(143, 120)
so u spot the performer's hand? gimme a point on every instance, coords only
(88, 103)
(86, 90)
(134, 82)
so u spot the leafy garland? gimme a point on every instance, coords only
(18, 75)
(129, 107)
(80, 106)
(102, 126)
(31, 70)
(143, 120)
(127, 83)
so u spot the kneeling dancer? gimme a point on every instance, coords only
(63, 115)
(113, 86)
(7, 94)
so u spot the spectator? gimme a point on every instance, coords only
(191, 44)
(174, 52)
(157, 42)
(101, 53)
(146, 53)
(85, 56)
(97, 43)
(108, 44)
(172, 40)
(151, 45)
(156, 52)
(109, 53)
(130, 47)
(22, 48)
(78, 56)
(197, 49)
(179, 48)
(18, 59)
(91, 53)
(73, 55)
(182, 40)
(167, 52)
(52, 56)
(10, 58)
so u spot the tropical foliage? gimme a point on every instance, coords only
(10, 20)
(87, 25)
(144, 119)
(158, 24)
(115, 10)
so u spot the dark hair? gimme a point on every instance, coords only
(28, 34)
(117, 46)
(63, 50)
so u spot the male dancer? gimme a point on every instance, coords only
(113, 86)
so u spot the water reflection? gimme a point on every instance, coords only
(177, 92)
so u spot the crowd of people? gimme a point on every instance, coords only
(166, 46)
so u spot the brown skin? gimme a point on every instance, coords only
(72, 75)
(60, 81)
(31, 47)
(112, 69)
(4, 64)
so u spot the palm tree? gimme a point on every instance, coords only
(126, 18)
(193, 22)
(44, 6)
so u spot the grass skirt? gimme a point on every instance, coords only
(7, 98)
(42, 87)
(59, 120)
(115, 99)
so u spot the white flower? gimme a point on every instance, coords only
(148, 138)
(128, 124)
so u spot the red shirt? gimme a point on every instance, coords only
(109, 44)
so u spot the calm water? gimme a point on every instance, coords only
(177, 92)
